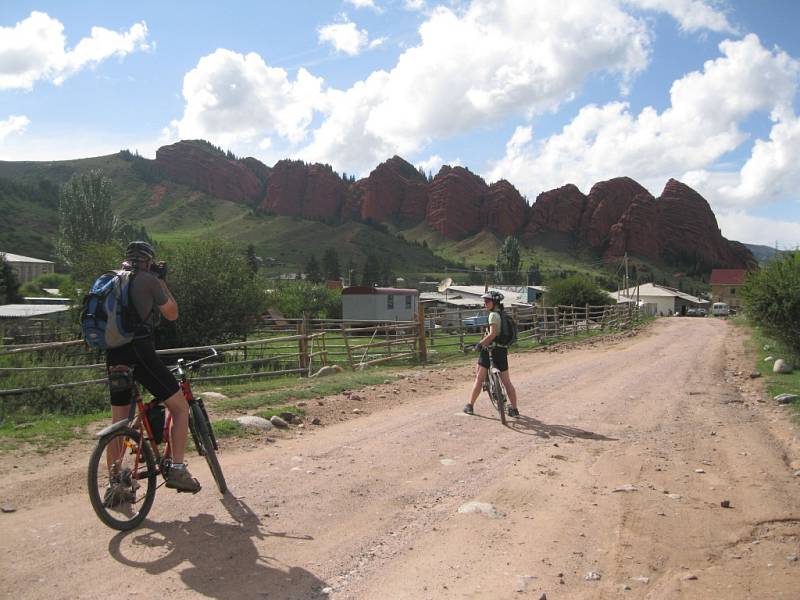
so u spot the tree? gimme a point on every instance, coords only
(575, 290)
(351, 271)
(293, 298)
(534, 275)
(218, 297)
(251, 258)
(85, 215)
(330, 265)
(508, 262)
(387, 273)
(771, 296)
(371, 273)
(9, 284)
(312, 270)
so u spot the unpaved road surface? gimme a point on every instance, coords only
(369, 508)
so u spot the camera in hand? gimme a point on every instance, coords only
(159, 269)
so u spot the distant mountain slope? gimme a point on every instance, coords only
(762, 253)
(293, 209)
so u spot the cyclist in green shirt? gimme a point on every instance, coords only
(493, 301)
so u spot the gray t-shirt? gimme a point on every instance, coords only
(147, 293)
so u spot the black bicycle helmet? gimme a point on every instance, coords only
(140, 250)
(494, 296)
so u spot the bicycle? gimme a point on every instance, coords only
(493, 386)
(125, 465)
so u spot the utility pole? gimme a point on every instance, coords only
(626, 272)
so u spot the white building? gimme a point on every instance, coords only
(668, 301)
(364, 303)
(27, 268)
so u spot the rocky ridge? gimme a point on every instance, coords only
(617, 216)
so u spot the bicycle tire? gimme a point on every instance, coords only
(97, 480)
(206, 448)
(208, 422)
(500, 397)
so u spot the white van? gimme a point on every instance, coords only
(720, 309)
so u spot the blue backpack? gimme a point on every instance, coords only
(108, 319)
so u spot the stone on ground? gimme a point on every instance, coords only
(253, 422)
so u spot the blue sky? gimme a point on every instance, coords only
(540, 93)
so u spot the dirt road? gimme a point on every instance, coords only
(369, 508)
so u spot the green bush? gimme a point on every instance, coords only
(575, 290)
(772, 298)
(218, 298)
(293, 298)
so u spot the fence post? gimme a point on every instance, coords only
(423, 350)
(347, 347)
(460, 330)
(557, 320)
(302, 330)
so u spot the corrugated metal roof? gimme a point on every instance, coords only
(367, 290)
(24, 311)
(651, 290)
(19, 258)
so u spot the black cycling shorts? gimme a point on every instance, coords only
(499, 356)
(148, 370)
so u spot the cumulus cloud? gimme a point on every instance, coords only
(364, 4)
(344, 36)
(232, 97)
(699, 127)
(739, 225)
(492, 60)
(13, 124)
(692, 15)
(414, 5)
(35, 49)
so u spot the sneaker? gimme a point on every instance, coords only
(468, 409)
(512, 412)
(179, 478)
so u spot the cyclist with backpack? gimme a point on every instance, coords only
(496, 341)
(148, 297)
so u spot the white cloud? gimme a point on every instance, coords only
(344, 36)
(699, 127)
(13, 124)
(414, 5)
(232, 97)
(493, 60)
(739, 225)
(692, 15)
(35, 48)
(431, 164)
(364, 4)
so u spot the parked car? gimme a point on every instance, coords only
(691, 312)
(720, 309)
(701, 312)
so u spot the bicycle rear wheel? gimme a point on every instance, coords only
(201, 433)
(498, 396)
(121, 489)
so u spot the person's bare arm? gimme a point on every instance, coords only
(169, 309)
(489, 337)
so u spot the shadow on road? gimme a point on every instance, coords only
(223, 559)
(530, 426)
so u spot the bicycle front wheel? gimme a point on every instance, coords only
(201, 433)
(122, 479)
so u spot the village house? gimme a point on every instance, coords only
(726, 285)
(27, 268)
(365, 303)
(668, 301)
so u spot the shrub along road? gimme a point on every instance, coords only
(613, 479)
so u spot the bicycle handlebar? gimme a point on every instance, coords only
(182, 366)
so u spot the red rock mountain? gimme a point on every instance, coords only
(617, 216)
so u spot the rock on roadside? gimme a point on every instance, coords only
(253, 422)
(781, 366)
(279, 423)
(213, 396)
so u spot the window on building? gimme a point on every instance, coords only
(390, 301)
(408, 302)
(733, 291)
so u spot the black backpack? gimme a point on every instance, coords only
(508, 330)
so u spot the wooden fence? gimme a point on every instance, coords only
(302, 346)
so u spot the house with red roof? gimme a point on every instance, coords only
(726, 285)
